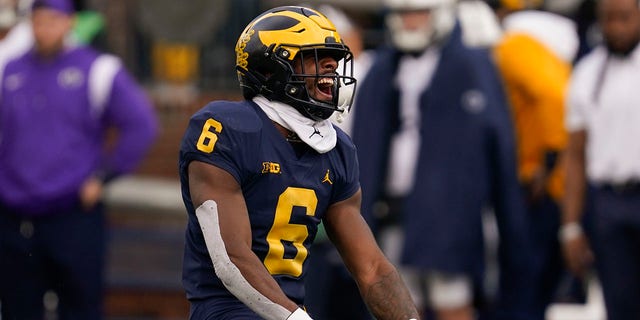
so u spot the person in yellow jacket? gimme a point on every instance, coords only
(534, 56)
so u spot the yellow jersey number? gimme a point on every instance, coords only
(296, 234)
(208, 138)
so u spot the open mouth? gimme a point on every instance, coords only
(325, 88)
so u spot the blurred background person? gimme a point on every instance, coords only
(603, 151)
(436, 149)
(58, 104)
(535, 56)
(16, 36)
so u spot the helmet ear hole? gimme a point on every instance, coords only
(283, 53)
(292, 90)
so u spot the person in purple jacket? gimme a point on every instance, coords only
(57, 104)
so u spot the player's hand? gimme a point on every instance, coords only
(577, 253)
(90, 193)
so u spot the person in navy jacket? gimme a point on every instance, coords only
(436, 150)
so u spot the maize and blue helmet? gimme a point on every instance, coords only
(268, 48)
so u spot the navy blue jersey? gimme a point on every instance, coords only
(286, 194)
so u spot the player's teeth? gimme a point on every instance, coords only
(325, 81)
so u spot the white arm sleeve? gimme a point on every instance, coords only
(230, 275)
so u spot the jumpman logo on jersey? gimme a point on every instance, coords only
(326, 178)
(316, 131)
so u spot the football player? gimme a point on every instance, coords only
(259, 175)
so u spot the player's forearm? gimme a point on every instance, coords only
(388, 298)
(241, 271)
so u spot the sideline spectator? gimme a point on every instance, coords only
(603, 152)
(58, 102)
(436, 149)
(535, 57)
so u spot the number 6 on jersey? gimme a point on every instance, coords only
(208, 139)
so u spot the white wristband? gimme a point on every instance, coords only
(299, 314)
(570, 231)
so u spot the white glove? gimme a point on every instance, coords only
(299, 314)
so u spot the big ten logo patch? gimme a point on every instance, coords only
(270, 167)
